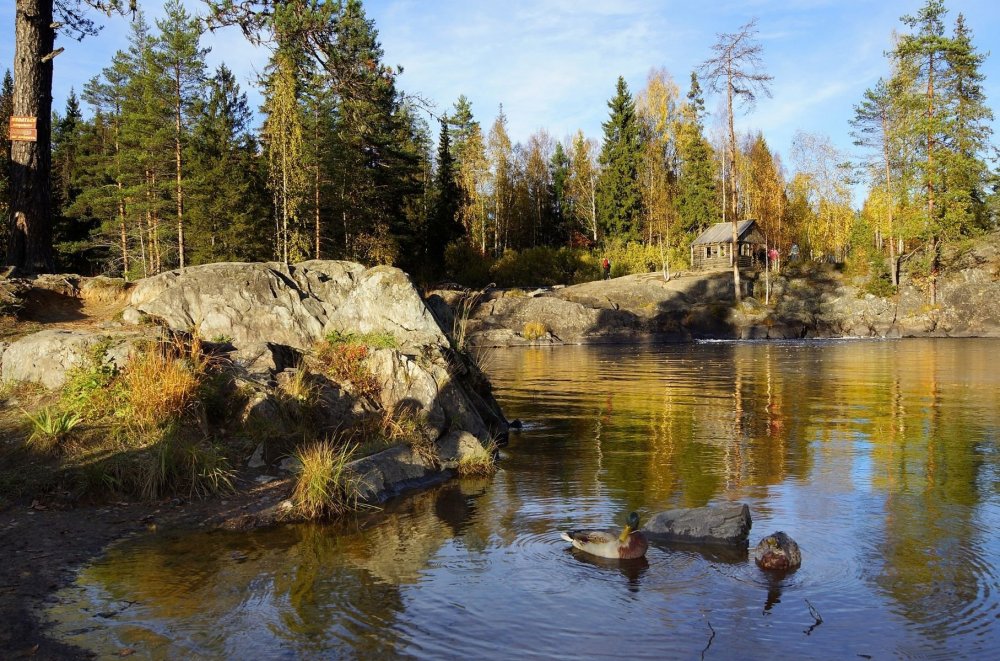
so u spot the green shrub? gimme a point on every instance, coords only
(466, 265)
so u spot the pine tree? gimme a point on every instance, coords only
(102, 168)
(737, 69)
(178, 56)
(619, 202)
(875, 125)
(147, 143)
(948, 125)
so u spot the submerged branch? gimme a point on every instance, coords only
(816, 616)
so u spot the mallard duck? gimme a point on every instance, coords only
(777, 551)
(630, 544)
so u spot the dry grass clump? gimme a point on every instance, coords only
(156, 387)
(300, 387)
(480, 463)
(102, 289)
(325, 486)
(534, 330)
(463, 313)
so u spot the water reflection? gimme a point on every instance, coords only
(632, 570)
(879, 458)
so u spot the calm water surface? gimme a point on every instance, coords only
(881, 458)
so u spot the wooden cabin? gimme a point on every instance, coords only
(711, 250)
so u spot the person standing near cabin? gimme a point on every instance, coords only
(606, 266)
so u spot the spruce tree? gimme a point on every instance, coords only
(461, 125)
(228, 208)
(6, 109)
(619, 202)
(443, 226)
(378, 166)
(70, 237)
(559, 173)
(697, 194)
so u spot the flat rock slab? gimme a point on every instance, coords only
(716, 524)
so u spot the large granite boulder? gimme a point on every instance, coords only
(47, 357)
(727, 524)
(384, 300)
(244, 303)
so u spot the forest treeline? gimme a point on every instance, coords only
(157, 163)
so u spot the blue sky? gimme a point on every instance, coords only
(553, 63)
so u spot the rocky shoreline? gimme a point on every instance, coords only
(806, 301)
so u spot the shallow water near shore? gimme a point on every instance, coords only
(882, 459)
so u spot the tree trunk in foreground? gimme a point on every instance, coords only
(30, 245)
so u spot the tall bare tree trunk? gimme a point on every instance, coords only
(317, 216)
(737, 294)
(893, 265)
(124, 232)
(177, 155)
(30, 243)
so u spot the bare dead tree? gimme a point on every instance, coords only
(736, 68)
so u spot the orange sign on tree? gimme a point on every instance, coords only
(23, 129)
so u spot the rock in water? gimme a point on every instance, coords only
(727, 524)
(778, 552)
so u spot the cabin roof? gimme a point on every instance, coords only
(723, 232)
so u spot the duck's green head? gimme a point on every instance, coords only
(633, 521)
(630, 527)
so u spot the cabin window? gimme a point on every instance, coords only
(722, 250)
(708, 252)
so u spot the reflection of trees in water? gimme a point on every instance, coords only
(936, 558)
(689, 424)
(315, 588)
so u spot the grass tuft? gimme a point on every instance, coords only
(534, 330)
(480, 463)
(325, 486)
(155, 388)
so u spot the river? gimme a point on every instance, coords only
(882, 459)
